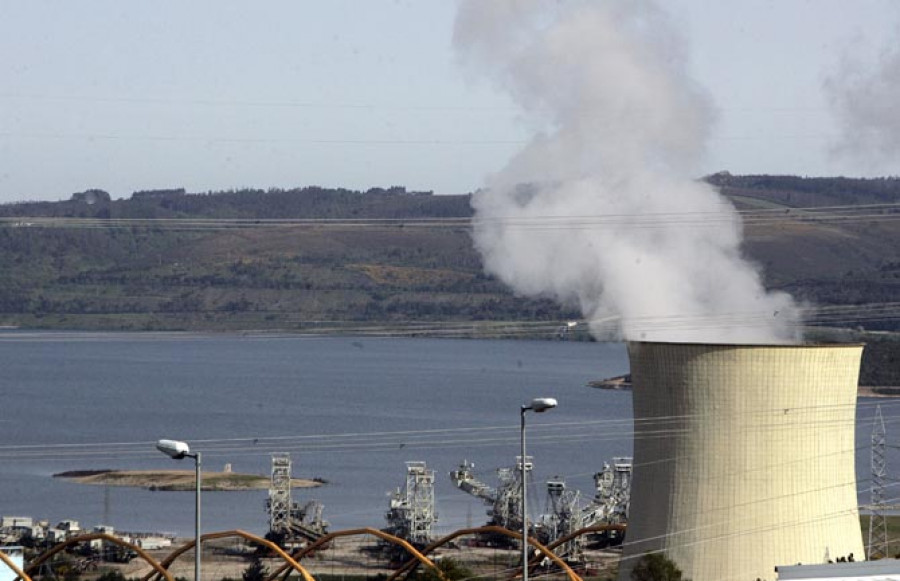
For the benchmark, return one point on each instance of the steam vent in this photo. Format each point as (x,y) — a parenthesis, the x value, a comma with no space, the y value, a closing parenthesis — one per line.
(743,457)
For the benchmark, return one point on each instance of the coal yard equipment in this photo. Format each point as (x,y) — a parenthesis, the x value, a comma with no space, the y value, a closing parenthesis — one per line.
(564,513)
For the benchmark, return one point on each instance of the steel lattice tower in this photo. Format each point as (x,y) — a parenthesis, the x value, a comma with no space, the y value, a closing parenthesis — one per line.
(563,516)
(280,494)
(420,496)
(411,513)
(878,541)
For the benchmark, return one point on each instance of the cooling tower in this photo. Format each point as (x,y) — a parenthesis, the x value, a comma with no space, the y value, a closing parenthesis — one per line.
(743,457)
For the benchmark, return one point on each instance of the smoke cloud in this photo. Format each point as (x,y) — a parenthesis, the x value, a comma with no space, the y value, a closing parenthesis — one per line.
(864,97)
(600,209)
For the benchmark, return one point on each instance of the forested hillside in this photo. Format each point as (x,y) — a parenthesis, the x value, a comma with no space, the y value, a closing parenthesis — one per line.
(306,258)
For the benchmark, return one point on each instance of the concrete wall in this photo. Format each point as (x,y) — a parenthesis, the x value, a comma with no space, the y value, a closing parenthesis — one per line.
(744,457)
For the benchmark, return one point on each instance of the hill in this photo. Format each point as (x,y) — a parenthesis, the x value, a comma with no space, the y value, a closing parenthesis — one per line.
(852,256)
(167,260)
(304,259)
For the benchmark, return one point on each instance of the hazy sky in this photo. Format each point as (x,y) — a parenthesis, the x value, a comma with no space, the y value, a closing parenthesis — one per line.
(210,95)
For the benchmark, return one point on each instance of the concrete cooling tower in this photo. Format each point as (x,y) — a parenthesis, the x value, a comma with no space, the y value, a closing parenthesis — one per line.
(743,457)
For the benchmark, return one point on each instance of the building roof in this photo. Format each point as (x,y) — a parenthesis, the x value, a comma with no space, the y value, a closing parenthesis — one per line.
(882,570)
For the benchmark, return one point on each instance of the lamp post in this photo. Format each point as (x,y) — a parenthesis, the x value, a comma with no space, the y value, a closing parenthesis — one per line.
(179,451)
(538,405)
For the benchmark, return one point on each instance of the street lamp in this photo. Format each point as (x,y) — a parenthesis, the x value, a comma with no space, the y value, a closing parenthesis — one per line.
(179,451)
(537,405)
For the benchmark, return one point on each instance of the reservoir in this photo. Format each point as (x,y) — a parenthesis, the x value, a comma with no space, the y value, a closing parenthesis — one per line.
(350,411)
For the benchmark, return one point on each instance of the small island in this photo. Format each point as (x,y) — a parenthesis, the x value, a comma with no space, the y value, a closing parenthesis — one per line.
(619,383)
(179,479)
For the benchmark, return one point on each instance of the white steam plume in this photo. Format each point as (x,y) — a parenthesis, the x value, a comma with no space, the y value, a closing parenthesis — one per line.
(864,96)
(600,209)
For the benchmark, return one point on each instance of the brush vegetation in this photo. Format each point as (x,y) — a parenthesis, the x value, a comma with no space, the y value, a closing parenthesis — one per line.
(893,533)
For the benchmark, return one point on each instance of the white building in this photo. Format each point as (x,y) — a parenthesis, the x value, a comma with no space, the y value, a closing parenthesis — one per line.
(16,522)
(98,544)
(64,530)
(151,543)
(883,570)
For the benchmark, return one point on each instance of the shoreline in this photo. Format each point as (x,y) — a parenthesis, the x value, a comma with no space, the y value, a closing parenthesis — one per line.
(886,391)
(178,480)
(623,383)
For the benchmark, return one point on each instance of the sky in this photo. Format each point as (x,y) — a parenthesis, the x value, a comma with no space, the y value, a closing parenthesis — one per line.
(212,95)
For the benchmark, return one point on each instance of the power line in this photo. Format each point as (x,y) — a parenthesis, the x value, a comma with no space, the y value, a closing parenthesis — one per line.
(283,104)
(827,316)
(611,429)
(257,140)
(728,218)
(439,107)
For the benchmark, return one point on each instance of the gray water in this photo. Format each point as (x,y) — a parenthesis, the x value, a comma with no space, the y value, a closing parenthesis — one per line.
(350,411)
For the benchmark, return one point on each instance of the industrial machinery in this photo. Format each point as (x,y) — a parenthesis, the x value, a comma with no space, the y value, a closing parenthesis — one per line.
(410,515)
(504,501)
(611,501)
(563,513)
(291,523)
(562,516)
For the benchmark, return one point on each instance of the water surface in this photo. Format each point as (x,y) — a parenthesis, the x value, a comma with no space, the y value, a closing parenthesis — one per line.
(351,411)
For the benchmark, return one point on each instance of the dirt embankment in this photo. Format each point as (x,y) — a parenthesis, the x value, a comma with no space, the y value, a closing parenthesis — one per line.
(879,391)
(177,479)
(623,383)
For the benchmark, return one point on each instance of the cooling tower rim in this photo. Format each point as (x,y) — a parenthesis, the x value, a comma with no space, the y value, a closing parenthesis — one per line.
(749,345)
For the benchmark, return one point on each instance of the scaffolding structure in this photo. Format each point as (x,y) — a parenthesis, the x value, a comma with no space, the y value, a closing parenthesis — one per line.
(290,521)
(279,503)
(562,516)
(411,514)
